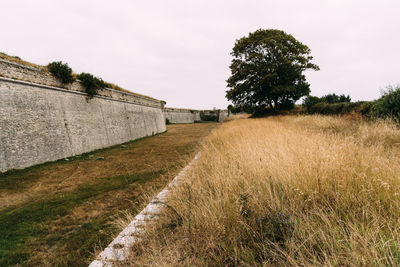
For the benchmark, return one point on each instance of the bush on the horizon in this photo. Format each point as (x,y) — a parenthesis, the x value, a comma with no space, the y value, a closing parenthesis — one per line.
(61,71)
(334,109)
(310,100)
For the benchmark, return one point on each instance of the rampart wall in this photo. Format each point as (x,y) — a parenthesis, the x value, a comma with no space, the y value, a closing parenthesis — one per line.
(40,121)
(20,72)
(179,115)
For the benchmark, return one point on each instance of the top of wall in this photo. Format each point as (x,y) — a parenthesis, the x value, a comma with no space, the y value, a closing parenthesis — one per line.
(185,110)
(35,74)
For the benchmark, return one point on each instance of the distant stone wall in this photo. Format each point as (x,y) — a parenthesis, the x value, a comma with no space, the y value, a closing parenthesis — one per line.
(40,123)
(179,115)
(223,114)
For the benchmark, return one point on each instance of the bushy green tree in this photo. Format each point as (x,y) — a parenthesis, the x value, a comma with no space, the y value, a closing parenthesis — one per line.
(267,70)
(389,104)
(334,98)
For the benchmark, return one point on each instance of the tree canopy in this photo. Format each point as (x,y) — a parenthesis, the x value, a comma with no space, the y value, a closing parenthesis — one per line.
(267,70)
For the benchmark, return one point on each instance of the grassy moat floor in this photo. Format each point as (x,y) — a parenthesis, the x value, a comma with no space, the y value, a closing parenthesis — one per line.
(63,213)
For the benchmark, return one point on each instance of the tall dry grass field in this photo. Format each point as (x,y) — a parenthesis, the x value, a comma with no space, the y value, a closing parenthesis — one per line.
(285,191)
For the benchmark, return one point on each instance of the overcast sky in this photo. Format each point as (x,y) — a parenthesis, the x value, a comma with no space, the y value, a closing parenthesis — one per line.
(179,51)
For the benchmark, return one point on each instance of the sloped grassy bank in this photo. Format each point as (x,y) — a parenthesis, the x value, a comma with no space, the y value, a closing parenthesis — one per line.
(285,191)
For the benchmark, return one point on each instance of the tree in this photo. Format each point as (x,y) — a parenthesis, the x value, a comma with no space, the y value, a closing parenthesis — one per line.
(334,98)
(267,70)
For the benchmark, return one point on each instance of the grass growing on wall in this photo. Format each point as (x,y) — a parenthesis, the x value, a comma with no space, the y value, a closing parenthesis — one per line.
(285,191)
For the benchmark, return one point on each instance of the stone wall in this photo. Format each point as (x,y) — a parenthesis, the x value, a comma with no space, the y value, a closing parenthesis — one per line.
(20,72)
(223,114)
(42,119)
(40,123)
(179,115)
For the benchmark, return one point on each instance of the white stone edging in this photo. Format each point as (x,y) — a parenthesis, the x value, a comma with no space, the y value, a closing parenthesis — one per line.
(120,248)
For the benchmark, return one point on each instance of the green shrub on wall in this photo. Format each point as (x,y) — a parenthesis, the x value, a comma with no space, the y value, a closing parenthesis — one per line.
(61,71)
(92,84)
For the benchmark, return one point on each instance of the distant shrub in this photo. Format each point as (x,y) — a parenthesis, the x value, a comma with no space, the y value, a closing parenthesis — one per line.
(310,101)
(334,109)
(61,71)
(92,84)
(365,109)
(167,121)
(334,98)
(388,105)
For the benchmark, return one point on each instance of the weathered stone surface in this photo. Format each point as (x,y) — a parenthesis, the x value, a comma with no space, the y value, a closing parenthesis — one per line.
(223,114)
(180,115)
(41,123)
(20,72)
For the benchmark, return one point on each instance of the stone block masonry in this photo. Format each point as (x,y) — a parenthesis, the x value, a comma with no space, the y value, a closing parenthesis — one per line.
(40,123)
(42,119)
(20,72)
(179,115)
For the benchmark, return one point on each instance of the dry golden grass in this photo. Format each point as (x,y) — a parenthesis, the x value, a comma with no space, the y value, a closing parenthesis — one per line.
(285,191)
(20,61)
(239,116)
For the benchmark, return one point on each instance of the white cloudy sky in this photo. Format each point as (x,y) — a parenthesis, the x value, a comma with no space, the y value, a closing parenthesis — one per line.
(179,51)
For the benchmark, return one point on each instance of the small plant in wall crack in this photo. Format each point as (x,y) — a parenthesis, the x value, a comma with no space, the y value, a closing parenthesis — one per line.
(92,84)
